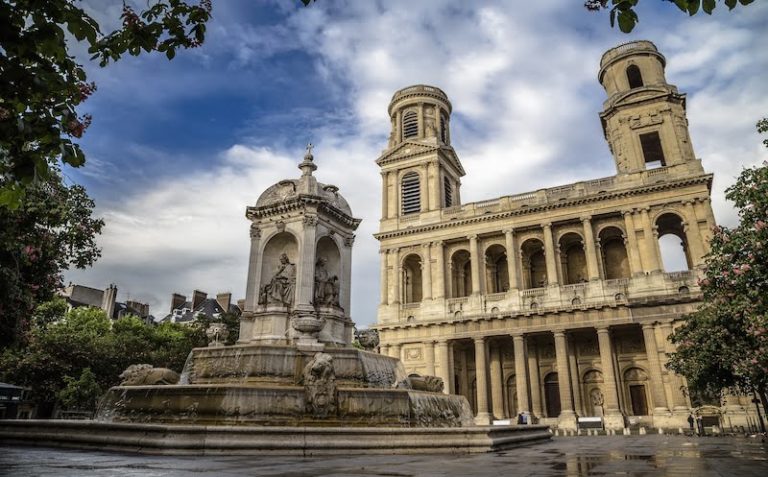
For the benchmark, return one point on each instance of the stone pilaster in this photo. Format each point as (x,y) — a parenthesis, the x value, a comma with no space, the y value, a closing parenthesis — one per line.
(394,350)
(385,195)
(252,283)
(521,381)
(441,271)
(613,416)
(589,249)
(426,273)
(429,357)
(677,399)
(535,377)
(483,417)
(575,381)
(384,286)
(549,253)
(567,418)
(651,243)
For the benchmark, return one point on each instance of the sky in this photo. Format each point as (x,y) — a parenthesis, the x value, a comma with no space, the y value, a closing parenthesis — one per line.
(178,149)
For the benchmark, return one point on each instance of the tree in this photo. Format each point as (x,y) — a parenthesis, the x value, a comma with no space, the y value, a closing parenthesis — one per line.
(229,319)
(41,83)
(54,361)
(624,10)
(51,230)
(725,342)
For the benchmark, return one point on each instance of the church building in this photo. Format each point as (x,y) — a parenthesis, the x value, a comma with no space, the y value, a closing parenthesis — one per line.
(553,303)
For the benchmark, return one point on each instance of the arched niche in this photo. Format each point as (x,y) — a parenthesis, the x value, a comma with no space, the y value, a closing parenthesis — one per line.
(327,274)
(636,389)
(673,243)
(534,263)
(592,383)
(552,395)
(613,254)
(461,274)
(412,286)
(496,269)
(278,270)
(573,259)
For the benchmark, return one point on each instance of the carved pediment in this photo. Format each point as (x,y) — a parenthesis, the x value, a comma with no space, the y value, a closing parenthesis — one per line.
(406,149)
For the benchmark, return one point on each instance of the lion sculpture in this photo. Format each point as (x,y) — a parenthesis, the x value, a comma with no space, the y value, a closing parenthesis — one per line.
(319,379)
(148,375)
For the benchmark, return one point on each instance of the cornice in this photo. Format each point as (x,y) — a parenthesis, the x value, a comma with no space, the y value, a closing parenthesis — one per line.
(703,179)
(298,203)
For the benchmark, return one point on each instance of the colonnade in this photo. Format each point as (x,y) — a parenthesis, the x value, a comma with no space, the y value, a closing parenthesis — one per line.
(437,273)
(663,390)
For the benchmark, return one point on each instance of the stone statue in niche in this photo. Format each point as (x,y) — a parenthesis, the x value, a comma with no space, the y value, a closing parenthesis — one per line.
(280,289)
(319,380)
(326,286)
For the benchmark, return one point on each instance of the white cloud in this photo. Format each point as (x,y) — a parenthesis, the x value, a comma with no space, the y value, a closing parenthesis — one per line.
(526,100)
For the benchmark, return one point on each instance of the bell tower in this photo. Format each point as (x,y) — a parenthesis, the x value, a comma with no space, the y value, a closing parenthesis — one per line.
(420,170)
(644,118)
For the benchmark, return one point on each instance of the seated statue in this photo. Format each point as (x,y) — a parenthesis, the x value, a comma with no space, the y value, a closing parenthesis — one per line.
(280,289)
(148,375)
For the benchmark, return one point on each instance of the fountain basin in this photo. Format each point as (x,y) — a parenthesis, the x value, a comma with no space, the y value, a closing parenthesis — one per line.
(238,405)
(302,441)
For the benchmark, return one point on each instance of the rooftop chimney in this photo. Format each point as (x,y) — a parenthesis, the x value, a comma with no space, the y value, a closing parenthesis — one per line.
(224,299)
(108,299)
(177,301)
(241,304)
(197,298)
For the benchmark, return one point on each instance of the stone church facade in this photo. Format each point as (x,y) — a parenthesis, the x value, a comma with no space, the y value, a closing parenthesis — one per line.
(553,303)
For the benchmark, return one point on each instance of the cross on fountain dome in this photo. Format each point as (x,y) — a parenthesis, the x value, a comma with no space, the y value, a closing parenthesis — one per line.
(307,166)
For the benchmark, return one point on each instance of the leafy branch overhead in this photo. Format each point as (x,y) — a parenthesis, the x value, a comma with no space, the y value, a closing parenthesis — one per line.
(623,11)
(41,83)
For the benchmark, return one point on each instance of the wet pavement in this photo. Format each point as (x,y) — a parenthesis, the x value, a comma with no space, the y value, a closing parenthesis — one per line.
(650,455)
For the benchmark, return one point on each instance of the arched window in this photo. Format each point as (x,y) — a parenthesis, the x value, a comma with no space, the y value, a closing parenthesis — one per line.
(461,274)
(673,243)
(447,191)
(412,286)
(534,264)
(573,259)
(410,124)
(613,253)
(411,194)
(634,77)
(496,269)
(444,127)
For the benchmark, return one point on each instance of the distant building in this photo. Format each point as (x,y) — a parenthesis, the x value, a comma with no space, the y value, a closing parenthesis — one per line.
(183,311)
(80,295)
(15,402)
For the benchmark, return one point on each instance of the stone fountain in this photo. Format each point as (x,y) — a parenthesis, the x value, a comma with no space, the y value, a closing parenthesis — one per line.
(293,383)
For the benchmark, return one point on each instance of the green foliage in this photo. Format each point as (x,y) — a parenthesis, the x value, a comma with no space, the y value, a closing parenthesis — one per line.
(51,230)
(84,338)
(82,393)
(41,84)
(48,312)
(725,342)
(623,11)
(231,320)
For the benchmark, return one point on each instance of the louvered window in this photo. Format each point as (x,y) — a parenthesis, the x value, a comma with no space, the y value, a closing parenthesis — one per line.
(411,193)
(448,192)
(410,124)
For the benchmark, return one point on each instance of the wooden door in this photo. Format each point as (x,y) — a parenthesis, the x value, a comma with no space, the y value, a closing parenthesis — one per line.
(639,401)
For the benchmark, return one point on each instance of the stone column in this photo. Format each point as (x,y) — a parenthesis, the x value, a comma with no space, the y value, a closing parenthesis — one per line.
(424,199)
(535,377)
(575,376)
(252,287)
(429,357)
(657,384)
(509,235)
(385,195)
(651,244)
(693,235)
(441,272)
(420,115)
(497,393)
(589,249)
(613,417)
(444,367)
(305,279)
(426,273)
(521,383)
(567,419)
(677,398)
(384,291)
(475,265)
(633,251)
(549,252)
(483,417)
